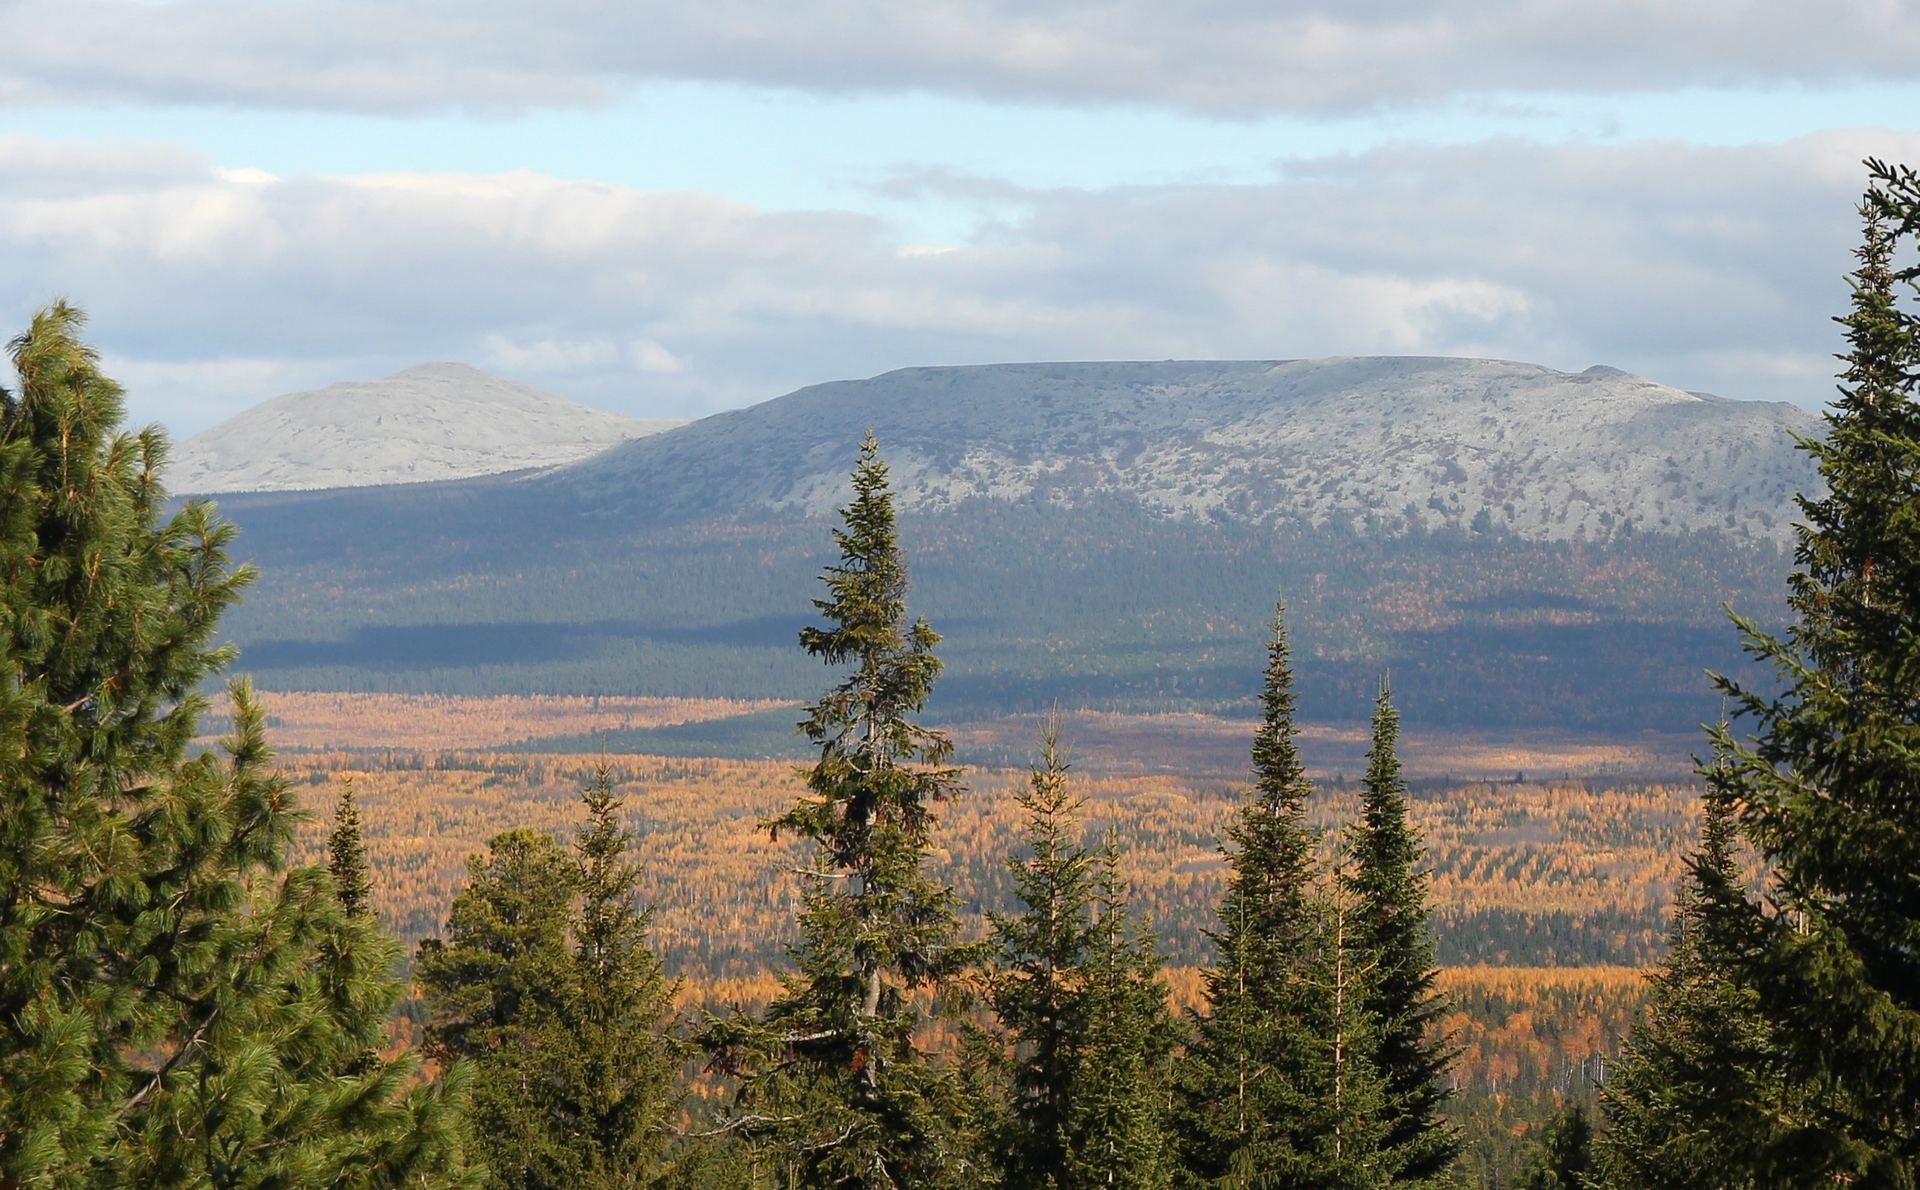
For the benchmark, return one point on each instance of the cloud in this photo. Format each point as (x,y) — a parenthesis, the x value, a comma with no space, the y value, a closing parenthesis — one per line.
(1710,268)
(34,168)
(1221,56)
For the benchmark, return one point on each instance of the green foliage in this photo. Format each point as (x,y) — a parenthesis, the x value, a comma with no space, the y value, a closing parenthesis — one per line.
(1701,1072)
(623,1068)
(1389,889)
(494,989)
(1343,1133)
(1243,1082)
(1826,784)
(1564,1159)
(546,984)
(832,1083)
(347,856)
(1039,967)
(1117,1131)
(1077,990)
(176,1005)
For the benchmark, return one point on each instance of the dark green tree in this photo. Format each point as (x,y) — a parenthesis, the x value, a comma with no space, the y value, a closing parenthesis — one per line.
(347,856)
(1564,1159)
(1243,1083)
(1341,1134)
(1826,786)
(1685,1089)
(1117,1130)
(1388,887)
(496,988)
(623,1078)
(177,1005)
(1077,989)
(546,982)
(831,1081)
(1040,955)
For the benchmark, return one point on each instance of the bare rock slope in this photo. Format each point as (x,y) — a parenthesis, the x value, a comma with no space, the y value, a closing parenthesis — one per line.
(1380,443)
(433,422)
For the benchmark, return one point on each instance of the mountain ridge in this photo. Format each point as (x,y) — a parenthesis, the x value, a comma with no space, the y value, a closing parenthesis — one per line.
(1383,443)
(1110,536)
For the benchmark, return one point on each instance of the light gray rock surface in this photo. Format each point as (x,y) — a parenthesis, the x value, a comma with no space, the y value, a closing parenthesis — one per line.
(433,422)
(1379,442)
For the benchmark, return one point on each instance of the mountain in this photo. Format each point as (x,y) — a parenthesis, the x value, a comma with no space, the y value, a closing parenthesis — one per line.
(1102,535)
(1383,443)
(432,422)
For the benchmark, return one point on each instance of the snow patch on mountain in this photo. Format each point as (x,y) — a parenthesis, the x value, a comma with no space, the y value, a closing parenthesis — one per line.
(1379,443)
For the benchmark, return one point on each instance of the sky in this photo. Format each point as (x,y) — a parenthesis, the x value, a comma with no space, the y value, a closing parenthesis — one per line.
(673,209)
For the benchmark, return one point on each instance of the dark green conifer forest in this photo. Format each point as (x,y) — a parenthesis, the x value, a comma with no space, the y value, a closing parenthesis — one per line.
(180,1005)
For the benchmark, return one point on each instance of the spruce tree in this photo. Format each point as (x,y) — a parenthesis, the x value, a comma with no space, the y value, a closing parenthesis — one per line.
(832,1082)
(547,984)
(1389,890)
(177,1005)
(347,856)
(1826,787)
(1564,1159)
(1040,953)
(1117,1130)
(623,1083)
(1701,1070)
(1242,1090)
(496,989)
(1077,989)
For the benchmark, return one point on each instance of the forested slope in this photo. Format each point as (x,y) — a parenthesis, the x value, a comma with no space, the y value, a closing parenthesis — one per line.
(486,588)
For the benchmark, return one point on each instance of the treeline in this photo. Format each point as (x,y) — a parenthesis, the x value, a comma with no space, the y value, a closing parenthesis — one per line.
(179,1006)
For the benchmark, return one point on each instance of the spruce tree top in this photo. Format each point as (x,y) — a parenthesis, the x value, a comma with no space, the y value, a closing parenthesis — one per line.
(867,773)
(1272,855)
(1390,888)
(1280,777)
(347,856)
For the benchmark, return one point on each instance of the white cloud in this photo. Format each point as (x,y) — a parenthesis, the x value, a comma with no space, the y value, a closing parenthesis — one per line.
(1712,269)
(1228,56)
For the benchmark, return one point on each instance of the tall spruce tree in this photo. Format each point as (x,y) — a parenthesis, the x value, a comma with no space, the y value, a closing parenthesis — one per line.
(1826,789)
(1243,1081)
(1701,1070)
(623,1064)
(547,984)
(177,1005)
(1389,890)
(832,1082)
(347,856)
(1117,1130)
(1040,954)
